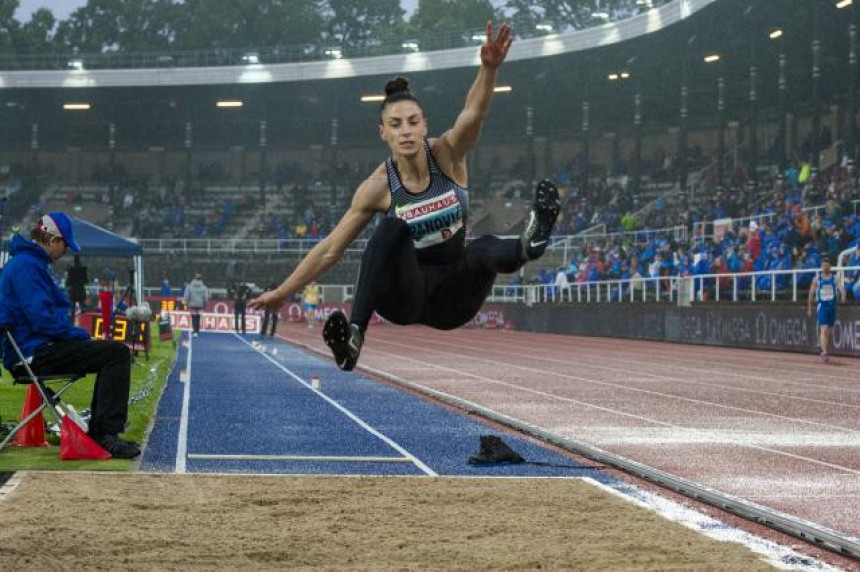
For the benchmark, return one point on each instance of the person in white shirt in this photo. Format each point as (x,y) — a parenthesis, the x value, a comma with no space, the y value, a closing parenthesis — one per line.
(562,285)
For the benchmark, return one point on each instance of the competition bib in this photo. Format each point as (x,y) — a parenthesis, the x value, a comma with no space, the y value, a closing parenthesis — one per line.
(826,293)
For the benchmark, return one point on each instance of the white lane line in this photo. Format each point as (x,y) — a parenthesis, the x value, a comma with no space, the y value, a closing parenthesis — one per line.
(9,487)
(309,458)
(572,361)
(612,348)
(357,420)
(617,412)
(182,440)
(621,386)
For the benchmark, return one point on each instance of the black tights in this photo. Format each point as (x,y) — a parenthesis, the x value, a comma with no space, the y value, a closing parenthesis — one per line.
(402,290)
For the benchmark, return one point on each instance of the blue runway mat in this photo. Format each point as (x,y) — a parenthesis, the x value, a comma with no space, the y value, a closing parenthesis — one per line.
(253,410)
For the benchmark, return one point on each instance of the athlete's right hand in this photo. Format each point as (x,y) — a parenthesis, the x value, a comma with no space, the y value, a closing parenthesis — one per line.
(271,299)
(495,50)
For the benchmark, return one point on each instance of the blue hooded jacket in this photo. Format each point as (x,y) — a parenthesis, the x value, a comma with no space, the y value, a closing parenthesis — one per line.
(32,304)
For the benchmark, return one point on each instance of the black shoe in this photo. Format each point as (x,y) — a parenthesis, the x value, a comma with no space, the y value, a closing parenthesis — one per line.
(495,451)
(542,217)
(118,448)
(344,339)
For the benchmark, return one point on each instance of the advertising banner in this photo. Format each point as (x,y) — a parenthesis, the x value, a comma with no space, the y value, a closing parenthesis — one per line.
(761,325)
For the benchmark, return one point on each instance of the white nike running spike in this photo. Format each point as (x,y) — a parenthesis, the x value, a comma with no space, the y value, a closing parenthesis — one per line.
(542,217)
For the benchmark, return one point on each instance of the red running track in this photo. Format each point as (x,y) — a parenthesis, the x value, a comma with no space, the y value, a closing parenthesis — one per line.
(779,429)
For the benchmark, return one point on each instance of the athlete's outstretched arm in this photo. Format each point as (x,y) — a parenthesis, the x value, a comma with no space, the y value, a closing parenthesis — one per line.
(463,136)
(370,198)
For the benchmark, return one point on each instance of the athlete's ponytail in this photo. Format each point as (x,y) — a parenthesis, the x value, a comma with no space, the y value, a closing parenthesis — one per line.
(396,90)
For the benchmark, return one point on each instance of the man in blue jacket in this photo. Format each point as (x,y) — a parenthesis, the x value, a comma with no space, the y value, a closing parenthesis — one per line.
(37,312)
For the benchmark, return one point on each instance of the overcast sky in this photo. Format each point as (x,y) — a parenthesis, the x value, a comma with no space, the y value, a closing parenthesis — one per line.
(62,8)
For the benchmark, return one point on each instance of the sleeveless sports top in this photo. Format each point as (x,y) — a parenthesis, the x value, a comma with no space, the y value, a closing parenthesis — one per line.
(827,290)
(436,216)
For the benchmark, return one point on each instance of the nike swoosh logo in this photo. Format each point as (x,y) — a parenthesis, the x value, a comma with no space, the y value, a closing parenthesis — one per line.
(534,244)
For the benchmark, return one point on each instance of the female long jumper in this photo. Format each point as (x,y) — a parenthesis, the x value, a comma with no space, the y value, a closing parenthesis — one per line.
(417,268)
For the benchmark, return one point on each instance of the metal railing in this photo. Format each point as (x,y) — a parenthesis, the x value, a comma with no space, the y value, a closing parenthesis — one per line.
(302,245)
(328,292)
(657,289)
(781,285)
(230,246)
(700,228)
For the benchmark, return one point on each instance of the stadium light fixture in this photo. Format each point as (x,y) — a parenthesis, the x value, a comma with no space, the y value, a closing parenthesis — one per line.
(80,106)
(251,58)
(333,53)
(612,76)
(775,34)
(375,98)
(544,28)
(229,103)
(711,58)
(624,75)
(76,64)
(844,3)
(503,89)
(410,45)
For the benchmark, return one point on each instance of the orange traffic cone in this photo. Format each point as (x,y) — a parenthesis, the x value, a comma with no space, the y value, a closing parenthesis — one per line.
(76,444)
(33,433)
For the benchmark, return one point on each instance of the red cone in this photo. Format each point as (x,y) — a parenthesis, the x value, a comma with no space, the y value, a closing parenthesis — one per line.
(33,433)
(76,444)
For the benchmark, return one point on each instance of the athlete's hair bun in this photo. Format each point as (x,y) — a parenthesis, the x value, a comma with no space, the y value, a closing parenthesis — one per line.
(396,85)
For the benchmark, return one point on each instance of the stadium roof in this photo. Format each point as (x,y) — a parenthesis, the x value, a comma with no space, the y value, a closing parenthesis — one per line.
(646,23)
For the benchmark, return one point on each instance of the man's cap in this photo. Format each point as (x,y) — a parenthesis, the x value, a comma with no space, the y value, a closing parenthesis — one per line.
(59,224)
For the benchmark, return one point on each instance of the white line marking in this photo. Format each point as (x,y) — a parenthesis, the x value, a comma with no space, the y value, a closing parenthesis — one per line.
(779,556)
(311,458)
(182,440)
(617,412)
(7,489)
(611,349)
(571,362)
(361,423)
(623,387)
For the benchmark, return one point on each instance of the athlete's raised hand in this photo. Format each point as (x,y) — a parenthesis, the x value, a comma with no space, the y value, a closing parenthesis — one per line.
(271,299)
(494,51)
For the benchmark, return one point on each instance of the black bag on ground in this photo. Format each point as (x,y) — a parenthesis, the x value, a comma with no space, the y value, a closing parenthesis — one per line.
(495,451)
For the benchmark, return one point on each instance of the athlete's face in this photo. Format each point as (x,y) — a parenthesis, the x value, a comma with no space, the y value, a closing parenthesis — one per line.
(403,127)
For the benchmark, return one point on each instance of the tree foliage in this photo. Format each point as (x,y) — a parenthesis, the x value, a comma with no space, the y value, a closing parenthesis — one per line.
(118,25)
(37,35)
(8,25)
(203,24)
(357,21)
(159,25)
(563,14)
(433,16)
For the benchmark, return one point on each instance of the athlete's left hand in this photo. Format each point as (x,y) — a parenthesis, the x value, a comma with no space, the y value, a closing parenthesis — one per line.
(271,299)
(494,51)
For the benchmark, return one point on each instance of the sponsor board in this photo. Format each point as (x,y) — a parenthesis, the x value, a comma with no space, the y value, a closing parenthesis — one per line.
(762,325)
(210,322)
